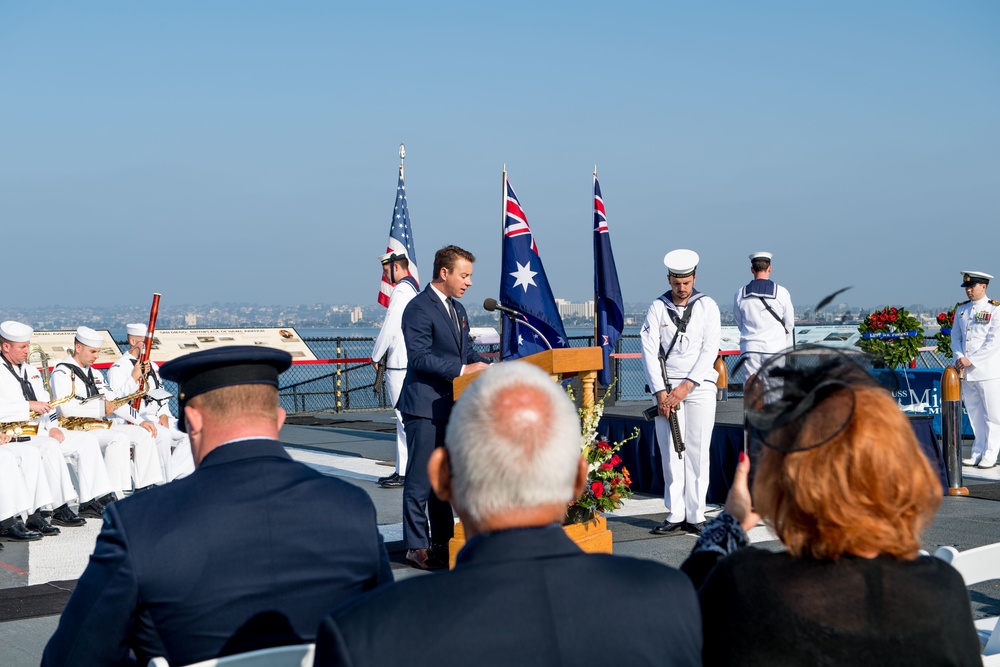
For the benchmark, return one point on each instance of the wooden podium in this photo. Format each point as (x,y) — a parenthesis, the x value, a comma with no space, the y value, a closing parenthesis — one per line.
(582,362)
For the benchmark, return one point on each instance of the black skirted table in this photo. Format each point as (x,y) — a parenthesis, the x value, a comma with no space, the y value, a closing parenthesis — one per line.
(642,456)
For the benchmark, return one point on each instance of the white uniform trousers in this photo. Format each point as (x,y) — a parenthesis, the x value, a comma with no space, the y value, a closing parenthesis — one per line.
(56,471)
(394,382)
(14,495)
(982,402)
(753,361)
(83,453)
(174,450)
(145,461)
(29,459)
(116,448)
(686,478)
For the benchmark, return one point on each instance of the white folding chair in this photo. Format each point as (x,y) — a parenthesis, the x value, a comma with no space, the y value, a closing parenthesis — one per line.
(977,565)
(299,655)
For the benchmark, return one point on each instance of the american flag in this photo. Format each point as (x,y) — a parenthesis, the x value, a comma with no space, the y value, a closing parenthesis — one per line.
(400,238)
(608,306)
(524,287)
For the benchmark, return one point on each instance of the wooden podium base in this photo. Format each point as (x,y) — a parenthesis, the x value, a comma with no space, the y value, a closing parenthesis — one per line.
(592,536)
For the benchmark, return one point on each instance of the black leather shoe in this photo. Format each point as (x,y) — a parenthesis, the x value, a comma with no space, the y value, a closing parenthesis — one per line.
(18,532)
(393,481)
(92,509)
(106,500)
(667,528)
(40,524)
(64,516)
(423,559)
(694,528)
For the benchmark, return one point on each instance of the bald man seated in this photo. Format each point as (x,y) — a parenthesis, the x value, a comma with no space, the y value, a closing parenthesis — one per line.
(520,590)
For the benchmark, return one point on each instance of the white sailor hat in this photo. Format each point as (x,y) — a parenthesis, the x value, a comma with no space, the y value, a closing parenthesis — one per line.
(761,255)
(681,263)
(89,337)
(136,329)
(970,278)
(392,256)
(15,332)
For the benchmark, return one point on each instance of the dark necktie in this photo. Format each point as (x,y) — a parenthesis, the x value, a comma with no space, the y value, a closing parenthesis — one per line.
(454,317)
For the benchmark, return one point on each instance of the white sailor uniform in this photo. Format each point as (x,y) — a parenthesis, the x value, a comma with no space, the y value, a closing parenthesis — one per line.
(116,441)
(15,496)
(172,444)
(692,357)
(765,316)
(18,385)
(390,339)
(976,335)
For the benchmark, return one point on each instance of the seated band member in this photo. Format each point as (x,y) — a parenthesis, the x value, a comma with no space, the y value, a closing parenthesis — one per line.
(237,563)
(94,401)
(510,465)
(15,496)
(173,446)
(23,394)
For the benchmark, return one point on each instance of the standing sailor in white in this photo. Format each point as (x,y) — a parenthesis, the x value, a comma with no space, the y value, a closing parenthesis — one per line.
(396,269)
(764,314)
(173,446)
(95,401)
(975,343)
(15,497)
(684,326)
(23,393)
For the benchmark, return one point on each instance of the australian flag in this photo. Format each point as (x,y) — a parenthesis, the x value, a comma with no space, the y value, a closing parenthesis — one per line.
(400,238)
(524,287)
(608,306)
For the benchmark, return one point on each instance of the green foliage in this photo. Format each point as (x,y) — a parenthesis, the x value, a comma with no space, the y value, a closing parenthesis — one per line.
(896,336)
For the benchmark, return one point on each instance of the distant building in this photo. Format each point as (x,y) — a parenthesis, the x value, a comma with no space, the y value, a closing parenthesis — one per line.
(356,315)
(190,320)
(567,309)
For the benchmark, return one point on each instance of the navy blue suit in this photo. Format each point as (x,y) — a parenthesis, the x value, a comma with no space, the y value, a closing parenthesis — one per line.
(522,597)
(246,552)
(435,354)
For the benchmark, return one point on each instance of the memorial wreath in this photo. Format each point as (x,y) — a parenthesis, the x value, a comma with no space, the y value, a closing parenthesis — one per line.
(892,335)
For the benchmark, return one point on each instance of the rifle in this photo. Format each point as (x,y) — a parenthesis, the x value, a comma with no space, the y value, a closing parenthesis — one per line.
(380,374)
(675,426)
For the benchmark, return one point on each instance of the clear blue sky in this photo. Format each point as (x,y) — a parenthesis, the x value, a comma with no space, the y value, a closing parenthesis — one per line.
(246,151)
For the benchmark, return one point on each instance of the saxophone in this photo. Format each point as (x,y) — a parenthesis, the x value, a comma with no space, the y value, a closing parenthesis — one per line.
(93,423)
(29,427)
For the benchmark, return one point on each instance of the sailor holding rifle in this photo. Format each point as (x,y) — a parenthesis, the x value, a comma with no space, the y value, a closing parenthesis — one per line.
(94,403)
(25,401)
(172,444)
(680,343)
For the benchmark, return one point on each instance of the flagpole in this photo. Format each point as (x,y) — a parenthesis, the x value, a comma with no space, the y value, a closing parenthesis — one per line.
(593,198)
(503,222)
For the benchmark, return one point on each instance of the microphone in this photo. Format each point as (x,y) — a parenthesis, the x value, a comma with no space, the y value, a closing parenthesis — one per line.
(492,305)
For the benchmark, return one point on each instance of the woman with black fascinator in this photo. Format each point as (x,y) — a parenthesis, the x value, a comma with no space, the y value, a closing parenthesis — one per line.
(841,480)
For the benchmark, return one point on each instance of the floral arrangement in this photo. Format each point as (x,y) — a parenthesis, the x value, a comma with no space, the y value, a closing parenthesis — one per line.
(892,335)
(943,337)
(608,482)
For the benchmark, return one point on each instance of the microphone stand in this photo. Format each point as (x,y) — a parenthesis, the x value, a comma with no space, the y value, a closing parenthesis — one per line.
(528,324)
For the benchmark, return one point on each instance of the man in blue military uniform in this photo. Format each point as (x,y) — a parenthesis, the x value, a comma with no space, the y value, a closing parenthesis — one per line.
(229,558)
(975,343)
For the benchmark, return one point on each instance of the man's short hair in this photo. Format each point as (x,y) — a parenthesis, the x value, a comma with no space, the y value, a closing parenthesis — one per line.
(403,263)
(239,402)
(759,265)
(446,257)
(513,442)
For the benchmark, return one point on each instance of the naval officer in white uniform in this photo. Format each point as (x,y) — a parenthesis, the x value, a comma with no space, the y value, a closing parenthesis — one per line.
(22,392)
(94,400)
(764,314)
(173,445)
(975,343)
(396,269)
(684,325)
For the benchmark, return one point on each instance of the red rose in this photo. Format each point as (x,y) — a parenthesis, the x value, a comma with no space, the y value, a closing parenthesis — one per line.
(951,317)
(603,446)
(597,488)
(942,318)
(893,311)
(606,466)
(893,317)
(615,460)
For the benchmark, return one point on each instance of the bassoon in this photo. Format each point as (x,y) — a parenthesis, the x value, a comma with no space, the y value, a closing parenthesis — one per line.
(154,310)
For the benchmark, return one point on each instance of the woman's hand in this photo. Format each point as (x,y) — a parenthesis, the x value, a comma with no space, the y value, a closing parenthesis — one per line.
(738,502)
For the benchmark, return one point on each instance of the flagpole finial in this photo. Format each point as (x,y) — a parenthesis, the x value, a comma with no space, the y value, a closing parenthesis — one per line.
(595,169)
(402,153)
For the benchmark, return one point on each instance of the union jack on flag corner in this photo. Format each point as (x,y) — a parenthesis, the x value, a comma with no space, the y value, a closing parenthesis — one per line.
(525,288)
(400,235)
(609,310)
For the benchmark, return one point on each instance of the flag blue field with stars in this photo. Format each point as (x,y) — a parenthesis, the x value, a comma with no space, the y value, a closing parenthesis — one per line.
(524,287)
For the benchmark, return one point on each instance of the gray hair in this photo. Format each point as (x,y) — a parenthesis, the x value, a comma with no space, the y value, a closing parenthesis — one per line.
(513,441)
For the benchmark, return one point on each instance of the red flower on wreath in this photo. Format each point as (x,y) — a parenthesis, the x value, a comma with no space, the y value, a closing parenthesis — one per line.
(597,488)
(942,318)
(893,317)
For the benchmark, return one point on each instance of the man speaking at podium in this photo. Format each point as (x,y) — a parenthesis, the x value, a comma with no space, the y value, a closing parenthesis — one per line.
(438,349)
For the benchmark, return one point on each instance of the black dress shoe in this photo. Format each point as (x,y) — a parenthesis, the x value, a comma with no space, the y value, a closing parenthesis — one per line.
(423,559)
(393,481)
(106,500)
(694,528)
(18,532)
(40,524)
(667,528)
(64,516)
(92,509)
